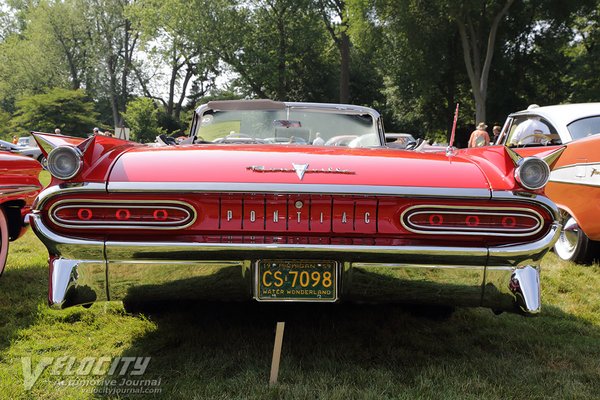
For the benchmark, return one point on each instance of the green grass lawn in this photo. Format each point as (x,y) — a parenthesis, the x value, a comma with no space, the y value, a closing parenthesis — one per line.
(208,351)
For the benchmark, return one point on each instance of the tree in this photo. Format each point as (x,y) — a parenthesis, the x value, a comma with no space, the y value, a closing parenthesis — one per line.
(115,42)
(142,118)
(69,110)
(419,57)
(279,49)
(335,17)
(479,43)
(170,38)
(60,29)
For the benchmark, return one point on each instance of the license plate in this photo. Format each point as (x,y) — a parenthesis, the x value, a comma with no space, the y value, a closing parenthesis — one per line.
(294,280)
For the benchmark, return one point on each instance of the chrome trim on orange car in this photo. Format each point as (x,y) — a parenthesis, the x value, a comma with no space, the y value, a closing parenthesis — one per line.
(585,174)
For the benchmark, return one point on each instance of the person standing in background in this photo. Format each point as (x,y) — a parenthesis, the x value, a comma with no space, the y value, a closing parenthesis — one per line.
(479,137)
(496,133)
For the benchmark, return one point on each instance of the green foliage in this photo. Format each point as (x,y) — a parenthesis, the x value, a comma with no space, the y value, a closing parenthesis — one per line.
(5,130)
(69,110)
(142,118)
(406,58)
(339,351)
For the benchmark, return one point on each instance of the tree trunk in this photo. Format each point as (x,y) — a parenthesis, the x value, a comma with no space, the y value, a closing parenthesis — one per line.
(479,74)
(281,52)
(344,68)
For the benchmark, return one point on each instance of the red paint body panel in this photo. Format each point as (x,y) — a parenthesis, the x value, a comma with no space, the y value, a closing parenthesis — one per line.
(288,219)
(229,163)
(19,170)
(19,183)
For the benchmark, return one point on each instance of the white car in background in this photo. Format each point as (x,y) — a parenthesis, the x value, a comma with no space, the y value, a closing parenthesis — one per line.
(564,122)
(574,184)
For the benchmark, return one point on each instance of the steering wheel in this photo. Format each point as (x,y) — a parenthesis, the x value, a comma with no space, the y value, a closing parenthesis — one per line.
(544,139)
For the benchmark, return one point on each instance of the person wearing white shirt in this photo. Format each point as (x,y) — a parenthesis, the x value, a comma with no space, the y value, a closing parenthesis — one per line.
(318,140)
(530,131)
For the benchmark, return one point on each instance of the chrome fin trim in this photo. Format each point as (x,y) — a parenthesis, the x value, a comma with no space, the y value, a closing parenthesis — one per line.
(551,158)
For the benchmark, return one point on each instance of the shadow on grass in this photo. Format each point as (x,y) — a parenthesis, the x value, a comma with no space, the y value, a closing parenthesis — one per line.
(21,290)
(208,350)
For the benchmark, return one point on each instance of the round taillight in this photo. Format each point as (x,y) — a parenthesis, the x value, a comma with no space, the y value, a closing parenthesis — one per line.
(64,162)
(532,173)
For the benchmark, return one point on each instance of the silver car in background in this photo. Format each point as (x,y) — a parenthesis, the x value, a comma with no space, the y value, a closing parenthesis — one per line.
(30,151)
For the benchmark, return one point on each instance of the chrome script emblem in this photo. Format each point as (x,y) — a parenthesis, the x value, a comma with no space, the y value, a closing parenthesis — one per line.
(300,169)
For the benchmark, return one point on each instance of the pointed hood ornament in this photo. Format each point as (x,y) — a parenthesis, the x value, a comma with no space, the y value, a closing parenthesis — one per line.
(300,169)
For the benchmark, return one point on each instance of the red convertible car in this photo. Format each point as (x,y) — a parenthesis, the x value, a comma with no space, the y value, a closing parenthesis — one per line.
(19,185)
(234,215)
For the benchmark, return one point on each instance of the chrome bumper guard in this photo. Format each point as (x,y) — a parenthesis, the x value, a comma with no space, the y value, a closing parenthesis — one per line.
(502,278)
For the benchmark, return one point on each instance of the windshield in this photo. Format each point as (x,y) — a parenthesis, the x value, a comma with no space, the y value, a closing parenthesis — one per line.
(584,127)
(289,126)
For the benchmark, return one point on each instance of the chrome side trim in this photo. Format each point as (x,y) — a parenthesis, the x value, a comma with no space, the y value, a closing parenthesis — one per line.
(525,253)
(214,187)
(14,189)
(66,189)
(530,198)
(433,230)
(164,204)
(76,249)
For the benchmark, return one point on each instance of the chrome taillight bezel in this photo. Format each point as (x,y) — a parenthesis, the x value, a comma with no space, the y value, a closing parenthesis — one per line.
(405,220)
(121,224)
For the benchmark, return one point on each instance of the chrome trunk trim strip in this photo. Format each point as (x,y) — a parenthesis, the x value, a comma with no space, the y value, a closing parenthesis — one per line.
(217,187)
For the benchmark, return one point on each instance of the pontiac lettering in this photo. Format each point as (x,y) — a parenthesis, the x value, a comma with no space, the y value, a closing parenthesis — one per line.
(316,216)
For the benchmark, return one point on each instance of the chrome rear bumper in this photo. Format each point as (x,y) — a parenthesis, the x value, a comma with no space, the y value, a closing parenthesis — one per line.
(502,278)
